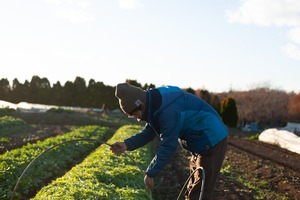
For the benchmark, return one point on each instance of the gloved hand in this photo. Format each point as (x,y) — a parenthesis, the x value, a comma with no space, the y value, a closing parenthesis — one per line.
(118,148)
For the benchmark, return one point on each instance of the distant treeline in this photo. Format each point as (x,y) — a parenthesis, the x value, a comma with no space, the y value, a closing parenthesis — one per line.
(262,105)
(77,93)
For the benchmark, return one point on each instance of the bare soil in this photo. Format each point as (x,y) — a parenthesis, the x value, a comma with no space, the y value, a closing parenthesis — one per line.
(33,134)
(251,170)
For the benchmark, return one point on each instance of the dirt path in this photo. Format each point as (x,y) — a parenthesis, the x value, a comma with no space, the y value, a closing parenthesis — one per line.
(264,170)
(33,134)
(267,151)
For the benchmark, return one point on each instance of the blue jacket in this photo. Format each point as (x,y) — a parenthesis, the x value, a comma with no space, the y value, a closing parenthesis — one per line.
(179,117)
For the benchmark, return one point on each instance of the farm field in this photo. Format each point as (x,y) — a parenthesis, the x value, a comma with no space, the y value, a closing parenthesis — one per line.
(252,169)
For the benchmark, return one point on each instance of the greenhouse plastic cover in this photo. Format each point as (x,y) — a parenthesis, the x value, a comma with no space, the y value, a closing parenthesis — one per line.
(282,138)
(38,108)
(6,104)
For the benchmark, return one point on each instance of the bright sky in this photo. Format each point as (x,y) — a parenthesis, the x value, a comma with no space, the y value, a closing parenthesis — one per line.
(214,45)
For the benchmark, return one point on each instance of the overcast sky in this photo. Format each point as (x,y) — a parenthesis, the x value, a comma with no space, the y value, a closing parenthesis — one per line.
(213,45)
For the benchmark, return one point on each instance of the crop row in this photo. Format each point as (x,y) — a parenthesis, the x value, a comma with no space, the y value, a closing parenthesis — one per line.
(103,175)
(10,125)
(52,164)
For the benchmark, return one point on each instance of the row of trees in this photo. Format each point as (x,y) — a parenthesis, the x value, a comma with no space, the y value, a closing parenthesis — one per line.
(262,105)
(77,93)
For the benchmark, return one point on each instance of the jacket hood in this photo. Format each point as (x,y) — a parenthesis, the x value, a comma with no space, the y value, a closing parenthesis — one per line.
(173,94)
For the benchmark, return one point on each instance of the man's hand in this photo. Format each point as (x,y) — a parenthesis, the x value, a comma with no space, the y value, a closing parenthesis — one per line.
(149,182)
(118,148)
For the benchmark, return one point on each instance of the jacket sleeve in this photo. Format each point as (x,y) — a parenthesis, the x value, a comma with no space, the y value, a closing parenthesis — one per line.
(169,142)
(140,139)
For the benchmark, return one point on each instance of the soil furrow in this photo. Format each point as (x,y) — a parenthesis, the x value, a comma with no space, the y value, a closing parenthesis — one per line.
(268,151)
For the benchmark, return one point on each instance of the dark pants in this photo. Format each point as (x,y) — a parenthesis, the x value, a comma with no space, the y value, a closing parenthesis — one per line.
(211,161)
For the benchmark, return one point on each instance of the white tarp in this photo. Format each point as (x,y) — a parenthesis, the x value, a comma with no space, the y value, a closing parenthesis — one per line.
(34,108)
(283,138)
(29,107)
(6,104)
(26,107)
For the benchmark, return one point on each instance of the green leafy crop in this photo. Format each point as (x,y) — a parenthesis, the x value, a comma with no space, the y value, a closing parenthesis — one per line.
(102,175)
(52,164)
(10,125)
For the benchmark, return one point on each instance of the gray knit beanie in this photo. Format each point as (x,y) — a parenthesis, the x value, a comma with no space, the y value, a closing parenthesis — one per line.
(130,97)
